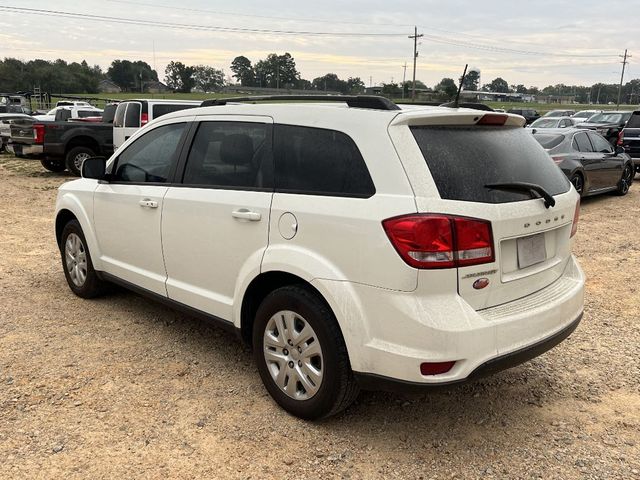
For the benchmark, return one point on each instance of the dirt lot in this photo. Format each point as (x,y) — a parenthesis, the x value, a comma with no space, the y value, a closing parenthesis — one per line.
(121,387)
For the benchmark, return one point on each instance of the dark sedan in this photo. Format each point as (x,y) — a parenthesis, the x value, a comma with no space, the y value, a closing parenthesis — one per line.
(587,159)
(608,124)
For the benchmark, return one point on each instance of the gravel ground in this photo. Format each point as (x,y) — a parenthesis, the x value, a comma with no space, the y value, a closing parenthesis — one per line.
(121,387)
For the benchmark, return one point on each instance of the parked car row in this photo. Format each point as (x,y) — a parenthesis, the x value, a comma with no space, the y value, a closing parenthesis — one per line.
(74,131)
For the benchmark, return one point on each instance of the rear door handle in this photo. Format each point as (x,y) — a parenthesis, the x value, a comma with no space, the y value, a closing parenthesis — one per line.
(148,203)
(246,214)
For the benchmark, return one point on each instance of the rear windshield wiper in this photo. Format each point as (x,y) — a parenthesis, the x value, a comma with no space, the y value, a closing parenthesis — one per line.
(532,188)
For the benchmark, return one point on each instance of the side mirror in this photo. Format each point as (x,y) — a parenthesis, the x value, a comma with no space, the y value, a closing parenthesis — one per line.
(94,167)
(619,149)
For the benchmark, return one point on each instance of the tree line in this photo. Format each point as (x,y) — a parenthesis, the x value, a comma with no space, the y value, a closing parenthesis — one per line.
(274,71)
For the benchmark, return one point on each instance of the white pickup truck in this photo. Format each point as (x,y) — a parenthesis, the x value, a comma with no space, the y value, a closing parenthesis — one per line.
(76,112)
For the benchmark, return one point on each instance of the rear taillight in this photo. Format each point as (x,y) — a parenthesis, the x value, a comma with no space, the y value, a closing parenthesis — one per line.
(492,119)
(620,138)
(38,133)
(144,119)
(435,368)
(576,217)
(429,241)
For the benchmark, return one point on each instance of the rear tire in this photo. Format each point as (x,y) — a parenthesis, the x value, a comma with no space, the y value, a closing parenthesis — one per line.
(625,181)
(301,355)
(77,264)
(578,182)
(53,165)
(76,156)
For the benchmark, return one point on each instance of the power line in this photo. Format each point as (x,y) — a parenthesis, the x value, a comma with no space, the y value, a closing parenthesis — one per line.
(187,26)
(415,37)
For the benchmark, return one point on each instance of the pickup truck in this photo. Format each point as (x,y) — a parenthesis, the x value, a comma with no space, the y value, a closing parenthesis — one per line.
(63,144)
(629,138)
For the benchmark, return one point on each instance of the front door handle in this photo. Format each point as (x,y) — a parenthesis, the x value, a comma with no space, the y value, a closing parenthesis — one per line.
(148,203)
(246,214)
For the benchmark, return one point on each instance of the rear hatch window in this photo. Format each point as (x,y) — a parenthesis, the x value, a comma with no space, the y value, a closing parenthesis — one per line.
(462,160)
(548,141)
(634,121)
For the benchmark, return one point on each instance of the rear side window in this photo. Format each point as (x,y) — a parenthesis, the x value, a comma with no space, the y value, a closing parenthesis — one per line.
(150,157)
(634,121)
(581,143)
(89,113)
(230,155)
(132,117)
(319,161)
(159,110)
(462,160)
(109,113)
(118,120)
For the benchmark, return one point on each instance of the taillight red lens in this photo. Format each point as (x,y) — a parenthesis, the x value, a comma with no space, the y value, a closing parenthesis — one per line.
(430,241)
(576,217)
(492,119)
(144,119)
(38,133)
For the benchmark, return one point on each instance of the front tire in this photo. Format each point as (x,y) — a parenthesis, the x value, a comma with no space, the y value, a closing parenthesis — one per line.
(53,165)
(77,264)
(625,181)
(301,355)
(76,156)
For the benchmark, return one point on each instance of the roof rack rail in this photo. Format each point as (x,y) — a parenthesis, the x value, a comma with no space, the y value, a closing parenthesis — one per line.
(356,101)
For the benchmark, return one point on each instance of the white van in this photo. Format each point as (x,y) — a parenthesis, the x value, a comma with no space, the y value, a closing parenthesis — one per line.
(133,114)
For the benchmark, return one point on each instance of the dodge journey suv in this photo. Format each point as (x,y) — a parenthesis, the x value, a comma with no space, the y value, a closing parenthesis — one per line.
(352,244)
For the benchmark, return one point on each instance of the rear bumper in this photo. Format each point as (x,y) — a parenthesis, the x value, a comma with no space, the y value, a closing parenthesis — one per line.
(25,151)
(369,381)
(390,333)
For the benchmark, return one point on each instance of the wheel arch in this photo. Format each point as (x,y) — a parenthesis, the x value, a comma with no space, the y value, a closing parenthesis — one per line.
(70,208)
(82,141)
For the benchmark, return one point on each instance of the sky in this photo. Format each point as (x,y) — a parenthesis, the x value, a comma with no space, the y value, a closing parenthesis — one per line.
(532,43)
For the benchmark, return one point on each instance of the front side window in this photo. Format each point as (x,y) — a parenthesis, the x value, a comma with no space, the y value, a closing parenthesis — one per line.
(150,157)
(600,144)
(230,155)
(319,161)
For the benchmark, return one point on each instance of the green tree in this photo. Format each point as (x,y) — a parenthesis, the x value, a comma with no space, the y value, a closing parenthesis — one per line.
(277,71)
(408,86)
(448,87)
(243,71)
(499,85)
(355,85)
(471,80)
(329,82)
(208,79)
(179,77)
(131,76)
(391,89)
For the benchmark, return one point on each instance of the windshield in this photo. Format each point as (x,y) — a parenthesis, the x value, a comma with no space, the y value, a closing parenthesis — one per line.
(462,160)
(584,114)
(606,118)
(555,113)
(545,123)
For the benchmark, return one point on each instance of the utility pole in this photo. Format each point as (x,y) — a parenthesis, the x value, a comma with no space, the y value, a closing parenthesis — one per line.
(415,37)
(624,64)
(370,81)
(404,78)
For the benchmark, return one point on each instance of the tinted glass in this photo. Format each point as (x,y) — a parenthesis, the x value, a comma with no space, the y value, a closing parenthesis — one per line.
(548,141)
(230,155)
(109,113)
(132,117)
(118,120)
(150,157)
(582,143)
(318,161)
(89,113)
(606,118)
(634,121)
(462,160)
(600,144)
(159,110)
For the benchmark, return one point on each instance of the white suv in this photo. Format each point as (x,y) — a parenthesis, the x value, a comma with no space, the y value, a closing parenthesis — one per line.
(353,244)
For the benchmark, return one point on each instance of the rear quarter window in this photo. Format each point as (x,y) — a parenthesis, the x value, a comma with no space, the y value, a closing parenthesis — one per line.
(462,160)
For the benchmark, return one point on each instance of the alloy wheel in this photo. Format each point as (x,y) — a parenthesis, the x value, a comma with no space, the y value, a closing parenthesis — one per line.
(76,259)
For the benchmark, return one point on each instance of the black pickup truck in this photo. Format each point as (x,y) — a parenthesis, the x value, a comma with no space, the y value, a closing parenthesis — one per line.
(63,144)
(629,138)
